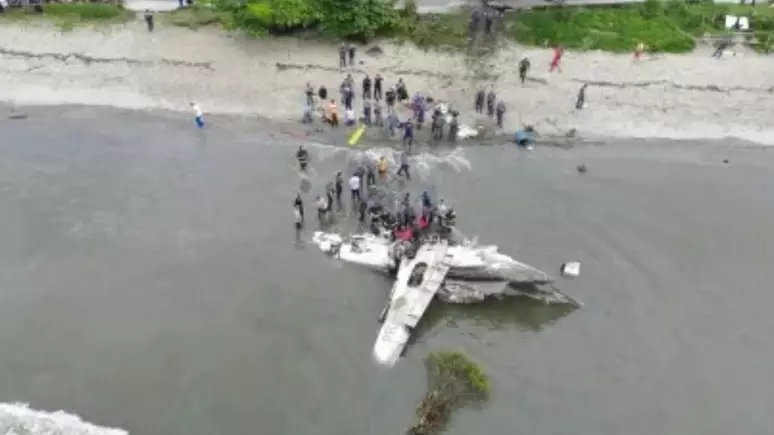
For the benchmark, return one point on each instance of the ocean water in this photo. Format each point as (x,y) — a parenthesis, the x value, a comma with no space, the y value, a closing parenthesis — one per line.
(150,282)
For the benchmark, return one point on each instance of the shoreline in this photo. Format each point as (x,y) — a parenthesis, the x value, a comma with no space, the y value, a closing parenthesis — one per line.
(690,96)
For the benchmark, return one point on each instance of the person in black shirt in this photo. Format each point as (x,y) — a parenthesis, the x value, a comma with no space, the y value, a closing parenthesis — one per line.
(367,87)
(378,87)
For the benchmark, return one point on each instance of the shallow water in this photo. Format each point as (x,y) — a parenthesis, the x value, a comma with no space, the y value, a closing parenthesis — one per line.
(150,282)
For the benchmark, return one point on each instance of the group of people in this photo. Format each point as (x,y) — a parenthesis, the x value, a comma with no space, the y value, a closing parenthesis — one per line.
(361,181)
(373,111)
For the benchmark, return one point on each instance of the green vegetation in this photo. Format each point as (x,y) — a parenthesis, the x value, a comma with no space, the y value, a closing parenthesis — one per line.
(663,26)
(194,17)
(453,381)
(69,15)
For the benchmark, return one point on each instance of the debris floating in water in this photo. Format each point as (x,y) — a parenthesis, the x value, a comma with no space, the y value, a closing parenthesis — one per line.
(571,269)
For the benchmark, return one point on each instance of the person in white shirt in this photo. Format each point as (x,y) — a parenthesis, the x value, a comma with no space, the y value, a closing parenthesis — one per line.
(354,188)
(322,209)
(299,220)
(198,115)
(349,117)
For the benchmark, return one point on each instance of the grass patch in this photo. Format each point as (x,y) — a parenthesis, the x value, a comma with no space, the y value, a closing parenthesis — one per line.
(671,26)
(440,31)
(194,17)
(453,381)
(70,15)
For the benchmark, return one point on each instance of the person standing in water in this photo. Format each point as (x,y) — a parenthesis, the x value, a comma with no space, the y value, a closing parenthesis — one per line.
(404,165)
(408,134)
(381,168)
(302,155)
(298,204)
(354,189)
(339,187)
(198,114)
(298,217)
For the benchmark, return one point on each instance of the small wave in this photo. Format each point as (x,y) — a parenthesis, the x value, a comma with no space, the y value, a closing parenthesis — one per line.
(20,419)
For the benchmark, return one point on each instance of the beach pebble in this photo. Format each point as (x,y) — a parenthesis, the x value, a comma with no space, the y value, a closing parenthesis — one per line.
(571,269)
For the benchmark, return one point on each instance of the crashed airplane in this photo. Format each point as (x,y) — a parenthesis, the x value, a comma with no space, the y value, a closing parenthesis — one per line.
(458,273)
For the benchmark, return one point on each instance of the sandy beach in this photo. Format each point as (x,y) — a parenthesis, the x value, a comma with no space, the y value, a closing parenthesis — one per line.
(667,96)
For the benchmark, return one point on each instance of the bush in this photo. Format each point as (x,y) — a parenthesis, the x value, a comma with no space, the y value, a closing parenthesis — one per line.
(193,17)
(663,26)
(69,15)
(453,381)
(348,19)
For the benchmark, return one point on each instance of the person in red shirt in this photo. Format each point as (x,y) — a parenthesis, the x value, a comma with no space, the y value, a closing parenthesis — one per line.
(558,53)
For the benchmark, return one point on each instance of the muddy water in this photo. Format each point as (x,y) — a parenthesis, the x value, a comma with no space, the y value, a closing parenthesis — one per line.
(150,282)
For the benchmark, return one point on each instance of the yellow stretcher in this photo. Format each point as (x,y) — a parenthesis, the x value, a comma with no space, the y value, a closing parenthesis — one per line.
(355,136)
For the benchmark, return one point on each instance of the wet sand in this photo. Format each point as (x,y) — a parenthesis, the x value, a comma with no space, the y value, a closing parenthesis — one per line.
(671,96)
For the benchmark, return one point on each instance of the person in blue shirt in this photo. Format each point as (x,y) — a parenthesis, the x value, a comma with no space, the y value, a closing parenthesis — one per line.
(524,137)
(426,202)
(408,134)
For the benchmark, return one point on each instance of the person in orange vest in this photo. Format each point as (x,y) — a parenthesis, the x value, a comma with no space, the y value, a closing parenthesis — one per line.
(333,114)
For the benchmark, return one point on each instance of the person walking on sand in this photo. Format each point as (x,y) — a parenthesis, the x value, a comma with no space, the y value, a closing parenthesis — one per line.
(351,49)
(638,52)
(479,101)
(378,87)
(581,101)
(491,99)
(310,94)
(523,69)
(198,114)
(149,19)
(367,87)
(557,59)
(500,112)
(333,114)
(343,55)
